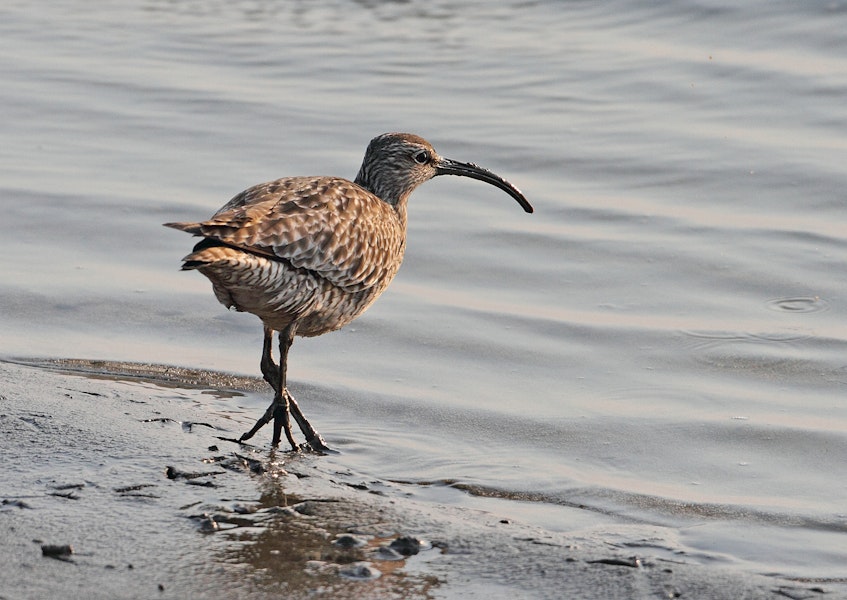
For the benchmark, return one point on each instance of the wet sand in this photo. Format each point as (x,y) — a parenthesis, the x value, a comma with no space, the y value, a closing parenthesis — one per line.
(122,463)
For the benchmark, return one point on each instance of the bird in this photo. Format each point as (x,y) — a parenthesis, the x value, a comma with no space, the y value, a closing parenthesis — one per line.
(307,255)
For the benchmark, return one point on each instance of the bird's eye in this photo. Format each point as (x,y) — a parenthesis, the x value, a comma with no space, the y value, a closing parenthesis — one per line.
(421,157)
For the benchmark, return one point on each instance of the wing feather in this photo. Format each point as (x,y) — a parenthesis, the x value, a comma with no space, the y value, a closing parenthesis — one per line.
(329,226)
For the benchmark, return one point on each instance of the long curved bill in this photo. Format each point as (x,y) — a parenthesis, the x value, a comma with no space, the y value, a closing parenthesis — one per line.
(447,166)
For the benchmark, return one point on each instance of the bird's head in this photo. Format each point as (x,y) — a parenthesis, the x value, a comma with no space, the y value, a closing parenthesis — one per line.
(397,163)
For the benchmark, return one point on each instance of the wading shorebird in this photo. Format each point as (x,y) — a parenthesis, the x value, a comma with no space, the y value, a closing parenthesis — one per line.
(307,255)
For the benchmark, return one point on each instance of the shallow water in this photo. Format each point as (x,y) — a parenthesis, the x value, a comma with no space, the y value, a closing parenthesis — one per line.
(664,339)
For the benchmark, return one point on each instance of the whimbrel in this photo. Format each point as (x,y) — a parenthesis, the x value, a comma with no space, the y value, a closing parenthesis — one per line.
(307,255)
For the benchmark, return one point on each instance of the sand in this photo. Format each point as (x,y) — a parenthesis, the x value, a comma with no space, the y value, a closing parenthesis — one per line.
(115,485)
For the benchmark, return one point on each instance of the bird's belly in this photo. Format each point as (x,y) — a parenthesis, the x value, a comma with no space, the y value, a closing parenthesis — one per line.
(336,308)
(279,293)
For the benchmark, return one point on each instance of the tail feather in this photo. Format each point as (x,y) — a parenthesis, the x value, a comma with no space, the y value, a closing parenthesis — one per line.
(205,252)
(187,227)
(193,264)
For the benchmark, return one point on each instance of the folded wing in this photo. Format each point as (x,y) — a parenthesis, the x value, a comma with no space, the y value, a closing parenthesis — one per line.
(329,226)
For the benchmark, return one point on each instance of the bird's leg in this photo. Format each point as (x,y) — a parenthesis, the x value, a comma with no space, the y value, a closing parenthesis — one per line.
(313,438)
(271,372)
(282,420)
(275,374)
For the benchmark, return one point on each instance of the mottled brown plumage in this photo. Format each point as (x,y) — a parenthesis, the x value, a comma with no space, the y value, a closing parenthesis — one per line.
(307,255)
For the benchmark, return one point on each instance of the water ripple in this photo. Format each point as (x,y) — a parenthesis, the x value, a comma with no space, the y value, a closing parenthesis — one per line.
(799,304)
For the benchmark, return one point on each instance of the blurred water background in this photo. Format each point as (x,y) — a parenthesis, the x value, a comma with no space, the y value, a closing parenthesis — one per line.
(664,340)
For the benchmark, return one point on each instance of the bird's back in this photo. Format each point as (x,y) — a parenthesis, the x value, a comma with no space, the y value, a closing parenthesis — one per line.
(316,249)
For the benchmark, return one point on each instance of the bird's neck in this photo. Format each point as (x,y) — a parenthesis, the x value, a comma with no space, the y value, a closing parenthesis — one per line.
(396,198)
(400,209)
(389,189)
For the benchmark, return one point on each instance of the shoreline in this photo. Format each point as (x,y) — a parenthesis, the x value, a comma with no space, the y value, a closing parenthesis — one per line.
(121,461)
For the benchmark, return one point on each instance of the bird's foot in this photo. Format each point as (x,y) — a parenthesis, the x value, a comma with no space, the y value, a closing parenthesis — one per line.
(263,420)
(280,410)
(246,436)
(259,424)
(282,422)
(317,445)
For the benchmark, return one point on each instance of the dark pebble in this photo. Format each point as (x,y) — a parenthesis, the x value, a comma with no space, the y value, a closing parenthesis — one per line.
(56,549)
(348,541)
(406,545)
(360,570)
(633,562)
(208,525)
(386,553)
